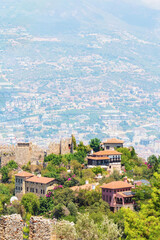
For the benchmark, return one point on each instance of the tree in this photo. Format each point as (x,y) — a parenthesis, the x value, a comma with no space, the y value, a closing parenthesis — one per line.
(74,142)
(64,196)
(72,208)
(97,170)
(5,172)
(31,203)
(142,193)
(76,166)
(95,144)
(65,231)
(86,228)
(12,165)
(153,162)
(1,208)
(109,230)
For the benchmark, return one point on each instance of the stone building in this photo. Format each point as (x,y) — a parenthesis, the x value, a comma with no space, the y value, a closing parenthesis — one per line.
(38,185)
(20,183)
(63,147)
(26,182)
(109,160)
(118,194)
(11,227)
(112,143)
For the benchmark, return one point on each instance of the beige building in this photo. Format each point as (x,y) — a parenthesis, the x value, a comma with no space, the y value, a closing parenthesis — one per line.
(20,182)
(26,182)
(112,143)
(38,185)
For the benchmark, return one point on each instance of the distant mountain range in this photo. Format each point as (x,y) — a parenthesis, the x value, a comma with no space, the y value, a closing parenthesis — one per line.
(64,64)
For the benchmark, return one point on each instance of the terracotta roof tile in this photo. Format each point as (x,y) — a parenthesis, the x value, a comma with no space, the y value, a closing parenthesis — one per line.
(24,174)
(107,153)
(43,180)
(113,140)
(116,184)
(83,187)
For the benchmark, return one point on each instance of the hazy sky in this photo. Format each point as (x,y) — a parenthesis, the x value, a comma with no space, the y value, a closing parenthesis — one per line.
(155,4)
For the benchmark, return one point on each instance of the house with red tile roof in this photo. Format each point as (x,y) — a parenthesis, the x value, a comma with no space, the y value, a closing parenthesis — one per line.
(118,194)
(112,143)
(20,181)
(108,159)
(26,182)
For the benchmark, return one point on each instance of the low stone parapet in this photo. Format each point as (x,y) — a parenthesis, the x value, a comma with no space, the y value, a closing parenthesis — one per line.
(11,227)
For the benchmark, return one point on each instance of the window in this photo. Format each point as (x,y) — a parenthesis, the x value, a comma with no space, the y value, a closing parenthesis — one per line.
(41,191)
(109,199)
(27,189)
(36,190)
(21,188)
(106,190)
(21,180)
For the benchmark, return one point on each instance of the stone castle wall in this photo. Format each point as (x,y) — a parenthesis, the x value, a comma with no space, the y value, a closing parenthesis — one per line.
(26,152)
(22,153)
(11,227)
(41,228)
(7,153)
(64,147)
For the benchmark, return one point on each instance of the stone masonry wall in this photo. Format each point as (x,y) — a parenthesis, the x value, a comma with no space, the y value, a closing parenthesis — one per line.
(40,228)
(11,227)
(64,147)
(7,153)
(53,148)
(26,152)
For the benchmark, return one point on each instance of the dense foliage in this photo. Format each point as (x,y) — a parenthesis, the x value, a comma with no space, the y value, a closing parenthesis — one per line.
(83,213)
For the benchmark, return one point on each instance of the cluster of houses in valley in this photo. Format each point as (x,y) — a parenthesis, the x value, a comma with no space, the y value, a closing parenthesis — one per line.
(117,194)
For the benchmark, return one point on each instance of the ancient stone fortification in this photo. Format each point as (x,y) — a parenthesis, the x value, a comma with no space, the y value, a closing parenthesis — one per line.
(11,227)
(41,228)
(22,153)
(7,153)
(65,146)
(26,152)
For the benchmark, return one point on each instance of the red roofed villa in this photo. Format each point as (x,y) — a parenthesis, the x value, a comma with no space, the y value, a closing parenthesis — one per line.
(112,143)
(118,194)
(109,159)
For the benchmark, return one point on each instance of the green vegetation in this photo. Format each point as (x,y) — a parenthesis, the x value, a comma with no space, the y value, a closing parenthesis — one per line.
(95,144)
(91,215)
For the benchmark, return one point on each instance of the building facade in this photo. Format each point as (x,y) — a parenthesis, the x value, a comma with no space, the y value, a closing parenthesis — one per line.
(38,185)
(26,182)
(112,143)
(109,160)
(118,194)
(20,182)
